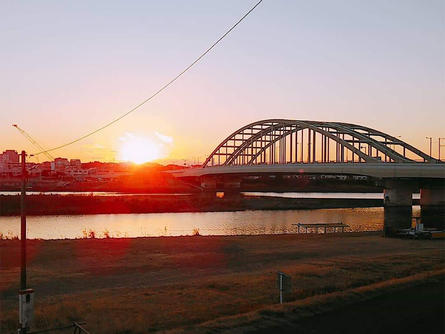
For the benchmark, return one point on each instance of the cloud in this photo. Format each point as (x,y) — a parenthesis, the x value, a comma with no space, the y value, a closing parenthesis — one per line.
(164,138)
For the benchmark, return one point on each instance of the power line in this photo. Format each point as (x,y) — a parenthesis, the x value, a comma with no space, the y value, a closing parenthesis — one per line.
(165,86)
(33,141)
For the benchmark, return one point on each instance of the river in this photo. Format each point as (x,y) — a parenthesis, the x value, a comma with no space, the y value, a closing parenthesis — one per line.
(206,223)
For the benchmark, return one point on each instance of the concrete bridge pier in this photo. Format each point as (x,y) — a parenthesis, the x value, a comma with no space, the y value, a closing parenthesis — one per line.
(227,187)
(432,204)
(209,187)
(208,183)
(231,185)
(398,201)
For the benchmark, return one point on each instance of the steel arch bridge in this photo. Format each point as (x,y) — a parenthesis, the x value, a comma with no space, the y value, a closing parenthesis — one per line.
(282,141)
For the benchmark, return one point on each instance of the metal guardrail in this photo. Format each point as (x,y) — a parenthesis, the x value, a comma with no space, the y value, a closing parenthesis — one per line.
(321,225)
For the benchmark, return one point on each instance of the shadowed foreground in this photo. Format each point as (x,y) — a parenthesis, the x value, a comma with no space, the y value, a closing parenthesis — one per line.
(413,304)
(167,283)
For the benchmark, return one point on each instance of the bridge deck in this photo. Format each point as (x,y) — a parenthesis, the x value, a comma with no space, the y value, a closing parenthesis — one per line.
(379,170)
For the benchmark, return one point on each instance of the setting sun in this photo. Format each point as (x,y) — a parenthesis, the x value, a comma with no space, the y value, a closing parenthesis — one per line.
(139,149)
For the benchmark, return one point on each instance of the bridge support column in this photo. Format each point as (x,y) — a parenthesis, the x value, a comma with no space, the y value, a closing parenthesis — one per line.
(232,183)
(228,187)
(432,204)
(208,183)
(398,193)
(398,196)
(231,187)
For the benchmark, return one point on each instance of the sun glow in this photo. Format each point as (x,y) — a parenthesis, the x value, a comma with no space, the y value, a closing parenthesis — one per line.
(140,149)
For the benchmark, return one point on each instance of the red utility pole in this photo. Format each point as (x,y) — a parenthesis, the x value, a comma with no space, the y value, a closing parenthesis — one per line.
(26,296)
(23,225)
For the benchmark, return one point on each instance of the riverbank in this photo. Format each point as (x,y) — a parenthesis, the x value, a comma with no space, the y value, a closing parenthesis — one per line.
(413,304)
(97,204)
(168,283)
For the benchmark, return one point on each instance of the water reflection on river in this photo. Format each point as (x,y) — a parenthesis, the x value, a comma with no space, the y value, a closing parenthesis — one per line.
(173,224)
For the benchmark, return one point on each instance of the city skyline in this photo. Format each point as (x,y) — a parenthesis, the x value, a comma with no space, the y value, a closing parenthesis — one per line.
(380,65)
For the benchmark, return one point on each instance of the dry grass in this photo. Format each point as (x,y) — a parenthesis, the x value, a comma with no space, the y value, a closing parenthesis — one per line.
(296,311)
(149,284)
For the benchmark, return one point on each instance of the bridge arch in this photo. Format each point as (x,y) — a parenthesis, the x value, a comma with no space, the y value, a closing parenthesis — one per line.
(299,141)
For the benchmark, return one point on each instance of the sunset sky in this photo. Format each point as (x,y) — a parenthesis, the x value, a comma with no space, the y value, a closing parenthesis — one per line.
(68,67)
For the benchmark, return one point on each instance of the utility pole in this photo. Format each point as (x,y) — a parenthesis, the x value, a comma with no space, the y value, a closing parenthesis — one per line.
(23,225)
(26,296)
(440,145)
(431,144)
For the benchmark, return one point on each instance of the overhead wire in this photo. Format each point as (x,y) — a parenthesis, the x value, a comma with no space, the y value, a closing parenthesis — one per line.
(162,88)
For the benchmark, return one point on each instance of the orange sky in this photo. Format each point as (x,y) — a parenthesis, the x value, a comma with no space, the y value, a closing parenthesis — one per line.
(68,68)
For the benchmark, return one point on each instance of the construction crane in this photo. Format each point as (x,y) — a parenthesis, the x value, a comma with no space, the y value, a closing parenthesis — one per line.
(36,144)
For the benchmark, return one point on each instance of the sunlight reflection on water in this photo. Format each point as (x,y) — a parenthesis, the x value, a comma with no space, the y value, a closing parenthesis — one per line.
(174,224)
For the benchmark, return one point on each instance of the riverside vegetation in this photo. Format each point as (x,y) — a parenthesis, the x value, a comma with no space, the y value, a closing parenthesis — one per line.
(177,283)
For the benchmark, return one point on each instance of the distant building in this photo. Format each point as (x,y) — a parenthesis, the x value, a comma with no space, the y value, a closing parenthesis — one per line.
(334,177)
(3,168)
(76,163)
(77,173)
(45,166)
(60,164)
(9,162)
(360,178)
(9,157)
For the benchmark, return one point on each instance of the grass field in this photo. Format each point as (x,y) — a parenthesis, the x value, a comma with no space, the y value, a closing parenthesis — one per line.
(148,284)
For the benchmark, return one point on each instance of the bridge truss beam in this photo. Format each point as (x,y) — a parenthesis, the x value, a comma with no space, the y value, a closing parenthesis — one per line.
(295,141)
